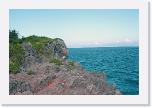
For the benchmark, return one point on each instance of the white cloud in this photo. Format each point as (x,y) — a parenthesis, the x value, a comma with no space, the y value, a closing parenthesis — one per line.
(127,40)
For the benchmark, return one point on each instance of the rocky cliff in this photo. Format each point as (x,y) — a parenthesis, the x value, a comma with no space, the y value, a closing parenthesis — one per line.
(41,68)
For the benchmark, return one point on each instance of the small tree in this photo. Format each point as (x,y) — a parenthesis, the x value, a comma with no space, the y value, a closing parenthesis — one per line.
(13,35)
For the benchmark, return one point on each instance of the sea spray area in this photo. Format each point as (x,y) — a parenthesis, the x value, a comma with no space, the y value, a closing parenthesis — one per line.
(121,65)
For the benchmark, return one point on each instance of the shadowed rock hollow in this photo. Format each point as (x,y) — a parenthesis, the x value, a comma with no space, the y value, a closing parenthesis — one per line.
(44,70)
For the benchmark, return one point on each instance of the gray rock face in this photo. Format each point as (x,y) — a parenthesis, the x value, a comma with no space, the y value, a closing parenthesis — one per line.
(58,48)
(30,58)
(29,51)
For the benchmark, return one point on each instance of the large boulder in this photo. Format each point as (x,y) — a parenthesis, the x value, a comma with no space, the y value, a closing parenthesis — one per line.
(58,48)
(31,58)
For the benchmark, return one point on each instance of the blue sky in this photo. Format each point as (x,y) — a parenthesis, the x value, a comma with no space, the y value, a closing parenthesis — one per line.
(79,28)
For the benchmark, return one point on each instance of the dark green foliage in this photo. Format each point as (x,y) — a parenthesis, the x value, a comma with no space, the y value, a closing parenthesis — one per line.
(16,53)
(13,35)
(56,61)
(14,68)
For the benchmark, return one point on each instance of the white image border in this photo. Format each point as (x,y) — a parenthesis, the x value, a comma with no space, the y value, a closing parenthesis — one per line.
(141,99)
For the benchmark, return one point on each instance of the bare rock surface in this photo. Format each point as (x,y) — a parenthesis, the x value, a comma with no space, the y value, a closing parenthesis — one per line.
(58,48)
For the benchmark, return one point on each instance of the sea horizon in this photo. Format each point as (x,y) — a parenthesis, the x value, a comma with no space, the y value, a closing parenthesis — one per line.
(105,47)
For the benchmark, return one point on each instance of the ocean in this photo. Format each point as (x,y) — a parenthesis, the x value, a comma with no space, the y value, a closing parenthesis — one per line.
(120,64)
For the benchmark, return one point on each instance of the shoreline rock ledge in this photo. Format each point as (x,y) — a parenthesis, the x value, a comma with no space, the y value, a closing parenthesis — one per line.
(46,71)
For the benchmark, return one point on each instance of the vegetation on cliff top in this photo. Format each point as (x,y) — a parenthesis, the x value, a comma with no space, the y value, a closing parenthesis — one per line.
(16,51)
(38,43)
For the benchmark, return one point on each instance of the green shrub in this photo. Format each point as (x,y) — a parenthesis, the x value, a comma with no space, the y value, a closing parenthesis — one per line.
(13,35)
(30,72)
(39,43)
(56,61)
(14,68)
(16,53)
(71,65)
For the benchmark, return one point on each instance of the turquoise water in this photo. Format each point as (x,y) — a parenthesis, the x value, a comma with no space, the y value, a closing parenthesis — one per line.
(121,65)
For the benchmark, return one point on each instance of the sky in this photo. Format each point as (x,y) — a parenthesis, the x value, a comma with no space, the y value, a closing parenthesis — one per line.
(79,27)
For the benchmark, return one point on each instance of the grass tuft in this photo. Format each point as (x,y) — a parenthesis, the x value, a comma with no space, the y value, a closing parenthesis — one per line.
(56,61)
